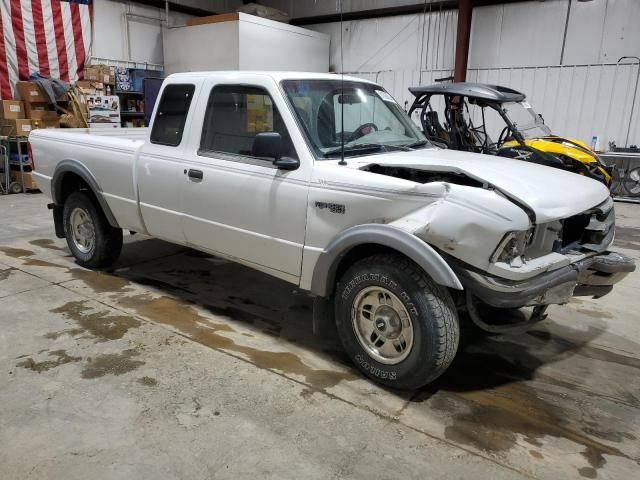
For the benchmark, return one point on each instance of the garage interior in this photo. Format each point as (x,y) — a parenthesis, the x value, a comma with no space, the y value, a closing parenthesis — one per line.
(174,363)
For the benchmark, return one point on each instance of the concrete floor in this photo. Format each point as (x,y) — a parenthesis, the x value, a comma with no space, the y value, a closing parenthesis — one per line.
(178,365)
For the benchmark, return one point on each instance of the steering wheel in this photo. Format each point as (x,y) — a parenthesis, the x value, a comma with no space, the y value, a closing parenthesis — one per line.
(503,137)
(360,131)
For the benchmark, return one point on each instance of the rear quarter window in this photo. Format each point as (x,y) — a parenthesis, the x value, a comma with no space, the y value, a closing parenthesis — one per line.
(171,116)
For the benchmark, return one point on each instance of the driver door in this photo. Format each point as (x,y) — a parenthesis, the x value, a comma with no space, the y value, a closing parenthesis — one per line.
(236,204)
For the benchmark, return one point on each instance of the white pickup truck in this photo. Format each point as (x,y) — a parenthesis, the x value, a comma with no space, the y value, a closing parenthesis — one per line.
(400,242)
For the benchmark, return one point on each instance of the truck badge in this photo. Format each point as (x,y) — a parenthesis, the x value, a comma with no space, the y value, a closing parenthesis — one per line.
(332,207)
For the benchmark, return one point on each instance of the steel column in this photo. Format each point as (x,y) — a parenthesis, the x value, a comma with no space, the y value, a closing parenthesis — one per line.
(465,9)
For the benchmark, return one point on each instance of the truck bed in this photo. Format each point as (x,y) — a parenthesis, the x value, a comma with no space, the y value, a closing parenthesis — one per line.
(108,153)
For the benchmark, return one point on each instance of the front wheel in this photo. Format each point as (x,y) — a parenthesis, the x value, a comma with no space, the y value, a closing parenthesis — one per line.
(398,326)
(90,238)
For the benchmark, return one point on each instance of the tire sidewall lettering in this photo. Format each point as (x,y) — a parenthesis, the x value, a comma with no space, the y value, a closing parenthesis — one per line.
(375,370)
(383,279)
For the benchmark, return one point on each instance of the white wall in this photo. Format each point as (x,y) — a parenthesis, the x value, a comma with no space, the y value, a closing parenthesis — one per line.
(129,32)
(518,45)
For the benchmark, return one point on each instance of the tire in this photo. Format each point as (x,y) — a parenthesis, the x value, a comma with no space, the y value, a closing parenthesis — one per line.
(433,322)
(105,248)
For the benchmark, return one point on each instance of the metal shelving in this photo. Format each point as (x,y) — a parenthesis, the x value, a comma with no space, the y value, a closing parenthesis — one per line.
(6,142)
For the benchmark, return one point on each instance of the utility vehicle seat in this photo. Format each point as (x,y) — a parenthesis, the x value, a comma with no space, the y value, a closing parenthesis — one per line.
(433,129)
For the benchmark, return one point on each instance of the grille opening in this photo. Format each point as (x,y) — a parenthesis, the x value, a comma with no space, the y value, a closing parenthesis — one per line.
(573,229)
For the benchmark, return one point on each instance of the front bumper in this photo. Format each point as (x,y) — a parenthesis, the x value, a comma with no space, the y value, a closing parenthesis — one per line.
(593,276)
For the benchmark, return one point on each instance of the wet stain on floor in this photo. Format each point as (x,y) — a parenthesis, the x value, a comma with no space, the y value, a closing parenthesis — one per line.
(486,398)
(47,243)
(16,252)
(111,364)
(587,350)
(61,358)
(609,436)
(490,406)
(100,282)
(188,321)
(101,324)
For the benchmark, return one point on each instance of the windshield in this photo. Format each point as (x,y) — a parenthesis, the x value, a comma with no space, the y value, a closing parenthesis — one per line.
(373,121)
(527,121)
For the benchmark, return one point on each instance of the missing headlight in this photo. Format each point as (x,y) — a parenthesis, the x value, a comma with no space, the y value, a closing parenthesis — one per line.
(511,246)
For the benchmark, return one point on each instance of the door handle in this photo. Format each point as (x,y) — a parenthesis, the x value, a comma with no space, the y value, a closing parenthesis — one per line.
(195,174)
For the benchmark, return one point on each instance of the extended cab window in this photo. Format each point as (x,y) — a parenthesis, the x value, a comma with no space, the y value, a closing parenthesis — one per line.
(172,115)
(235,115)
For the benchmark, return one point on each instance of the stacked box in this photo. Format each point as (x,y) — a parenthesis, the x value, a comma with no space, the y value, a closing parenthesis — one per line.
(108,75)
(90,87)
(30,93)
(92,73)
(12,119)
(100,73)
(11,109)
(37,113)
(16,127)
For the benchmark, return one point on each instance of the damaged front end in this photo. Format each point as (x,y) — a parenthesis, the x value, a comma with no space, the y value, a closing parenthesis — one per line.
(514,249)
(591,269)
(593,276)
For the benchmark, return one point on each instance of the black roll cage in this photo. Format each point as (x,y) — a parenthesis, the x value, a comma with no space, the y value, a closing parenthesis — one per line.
(453,104)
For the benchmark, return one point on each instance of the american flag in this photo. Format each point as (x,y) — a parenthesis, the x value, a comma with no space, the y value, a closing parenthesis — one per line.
(51,37)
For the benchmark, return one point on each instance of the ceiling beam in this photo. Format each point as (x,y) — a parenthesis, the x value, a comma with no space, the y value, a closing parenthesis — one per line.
(436,5)
(176,7)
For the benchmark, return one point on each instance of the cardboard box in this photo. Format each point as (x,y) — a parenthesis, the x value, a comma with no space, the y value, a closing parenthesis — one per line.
(93,73)
(18,127)
(29,92)
(24,178)
(12,109)
(30,108)
(46,123)
(44,115)
(90,87)
(107,74)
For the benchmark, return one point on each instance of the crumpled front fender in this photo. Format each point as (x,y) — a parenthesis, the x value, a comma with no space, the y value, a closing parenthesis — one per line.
(324,274)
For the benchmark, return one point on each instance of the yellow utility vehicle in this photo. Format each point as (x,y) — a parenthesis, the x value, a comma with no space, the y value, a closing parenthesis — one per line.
(474,113)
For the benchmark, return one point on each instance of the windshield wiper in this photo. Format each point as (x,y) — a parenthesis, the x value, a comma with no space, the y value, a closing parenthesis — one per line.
(419,143)
(367,147)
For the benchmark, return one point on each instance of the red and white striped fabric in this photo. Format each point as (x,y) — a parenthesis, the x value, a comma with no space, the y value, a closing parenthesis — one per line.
(51,37)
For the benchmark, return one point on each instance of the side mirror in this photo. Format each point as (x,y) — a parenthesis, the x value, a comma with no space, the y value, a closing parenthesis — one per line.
(287,163)
(269,145)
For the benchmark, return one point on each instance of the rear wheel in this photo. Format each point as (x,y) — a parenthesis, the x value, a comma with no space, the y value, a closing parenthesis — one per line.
(89,236)
(395,323)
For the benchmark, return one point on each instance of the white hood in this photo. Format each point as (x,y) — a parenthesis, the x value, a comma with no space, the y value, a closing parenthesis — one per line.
(551,193)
